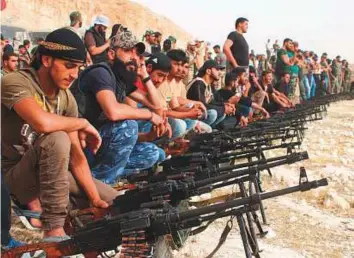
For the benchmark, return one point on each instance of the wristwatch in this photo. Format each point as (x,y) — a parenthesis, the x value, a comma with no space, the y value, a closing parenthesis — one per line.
(146,79)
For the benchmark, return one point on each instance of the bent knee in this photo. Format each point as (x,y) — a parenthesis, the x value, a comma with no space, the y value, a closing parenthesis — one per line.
(59,142)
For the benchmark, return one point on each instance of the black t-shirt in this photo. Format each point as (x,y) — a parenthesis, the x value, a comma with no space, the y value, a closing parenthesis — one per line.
(239,48)
(197,92)
(225,94)
(96,80)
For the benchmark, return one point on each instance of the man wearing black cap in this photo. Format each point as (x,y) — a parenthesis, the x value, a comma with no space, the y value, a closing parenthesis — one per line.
(42,136)
(200,89)
(101,89)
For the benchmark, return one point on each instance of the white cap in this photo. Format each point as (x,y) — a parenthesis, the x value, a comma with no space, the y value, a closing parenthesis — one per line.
(102,20)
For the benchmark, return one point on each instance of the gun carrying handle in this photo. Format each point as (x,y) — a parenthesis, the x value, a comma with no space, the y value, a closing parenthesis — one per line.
(74,215)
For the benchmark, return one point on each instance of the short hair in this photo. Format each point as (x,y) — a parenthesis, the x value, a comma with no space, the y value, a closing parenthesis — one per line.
(39,39)
(240,20)
(238,71)
(6,56)
(264,73)
(21,46)
(157,34)
(216,46)
(284,73)
(287,40)
(177,55)
(26,42)
(166,46)
(229,77)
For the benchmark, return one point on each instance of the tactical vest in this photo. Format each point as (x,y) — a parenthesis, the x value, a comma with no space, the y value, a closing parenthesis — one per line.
(100,41)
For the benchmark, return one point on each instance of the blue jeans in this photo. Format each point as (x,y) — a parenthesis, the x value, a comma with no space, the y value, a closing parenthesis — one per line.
(121,154)
(179,127)
(212,115)
(307,86)
(312,85)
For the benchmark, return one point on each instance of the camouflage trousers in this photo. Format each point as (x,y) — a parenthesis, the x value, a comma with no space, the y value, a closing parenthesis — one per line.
(294,90)
(121,154)
(336,85)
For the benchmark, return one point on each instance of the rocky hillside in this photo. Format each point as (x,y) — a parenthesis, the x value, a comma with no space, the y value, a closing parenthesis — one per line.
(46,15)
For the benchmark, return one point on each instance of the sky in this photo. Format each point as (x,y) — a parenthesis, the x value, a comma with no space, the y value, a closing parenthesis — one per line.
(318,25)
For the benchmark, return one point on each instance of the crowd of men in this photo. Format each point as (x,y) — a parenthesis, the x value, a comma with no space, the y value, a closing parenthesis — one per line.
(79,113)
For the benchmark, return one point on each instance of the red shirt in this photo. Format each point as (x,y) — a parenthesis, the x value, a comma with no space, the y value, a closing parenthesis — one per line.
(140,85)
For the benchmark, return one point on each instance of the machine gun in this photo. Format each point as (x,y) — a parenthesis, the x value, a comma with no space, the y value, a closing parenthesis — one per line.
(137,231)
(200,173)
(157,194)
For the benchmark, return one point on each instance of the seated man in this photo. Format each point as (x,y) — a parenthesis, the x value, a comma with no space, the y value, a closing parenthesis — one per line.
(101,89)
(179,102)
(200,89)
(275,100)
(234,94)
(42,138)
(283,85)
(160,68)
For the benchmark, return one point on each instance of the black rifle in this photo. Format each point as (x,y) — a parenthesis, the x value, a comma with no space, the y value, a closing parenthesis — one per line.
(138,230)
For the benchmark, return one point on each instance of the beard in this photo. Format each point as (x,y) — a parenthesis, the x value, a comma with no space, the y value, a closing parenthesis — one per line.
(120,70)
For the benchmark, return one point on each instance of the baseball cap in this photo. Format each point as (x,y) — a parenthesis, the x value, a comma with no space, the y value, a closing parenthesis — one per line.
(102,20)
(149,32)
(124,39)
(198,40)
(159,61)
(63,44)
(173,39)
(209,64)
(75,17)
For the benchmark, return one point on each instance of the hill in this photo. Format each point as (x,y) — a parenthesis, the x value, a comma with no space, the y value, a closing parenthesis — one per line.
(47,15)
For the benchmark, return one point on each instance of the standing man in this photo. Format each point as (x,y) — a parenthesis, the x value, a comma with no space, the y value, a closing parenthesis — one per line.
(157,46)
(95,40)
(27,45)
(75,26)
(325,73)
(24,59)
(221,60)
(173,42)
(236,47)
(149,37)
(347,76)
(200,51)
(75,22)
(192,59)
(286,63)
(10,63)
(336,75)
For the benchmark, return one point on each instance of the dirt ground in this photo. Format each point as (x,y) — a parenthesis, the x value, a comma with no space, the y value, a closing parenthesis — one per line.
(319,223)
